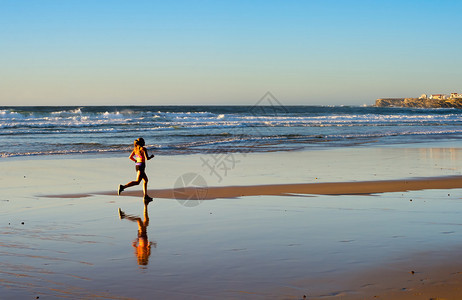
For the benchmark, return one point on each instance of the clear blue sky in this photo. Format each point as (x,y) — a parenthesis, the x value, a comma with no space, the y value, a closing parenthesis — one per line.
(91,52)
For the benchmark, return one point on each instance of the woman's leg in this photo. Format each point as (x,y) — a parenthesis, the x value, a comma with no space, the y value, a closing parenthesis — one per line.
(145,184)
(136,182)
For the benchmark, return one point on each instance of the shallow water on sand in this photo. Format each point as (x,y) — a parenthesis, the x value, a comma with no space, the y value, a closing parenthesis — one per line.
(87,174)
(234,248)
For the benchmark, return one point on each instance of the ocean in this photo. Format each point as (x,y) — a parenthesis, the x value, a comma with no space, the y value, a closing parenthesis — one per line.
(57,130)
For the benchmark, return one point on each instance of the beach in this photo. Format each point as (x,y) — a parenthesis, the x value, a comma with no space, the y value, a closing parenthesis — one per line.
(340,223)
(287,150)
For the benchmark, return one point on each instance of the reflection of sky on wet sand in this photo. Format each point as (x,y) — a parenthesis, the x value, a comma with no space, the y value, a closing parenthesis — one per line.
(95,174)
(227,248)
(336,165)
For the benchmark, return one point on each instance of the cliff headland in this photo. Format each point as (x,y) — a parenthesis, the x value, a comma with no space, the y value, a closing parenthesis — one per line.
(422,102)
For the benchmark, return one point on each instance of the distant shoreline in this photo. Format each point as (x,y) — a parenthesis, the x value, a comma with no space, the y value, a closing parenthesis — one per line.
(419,102)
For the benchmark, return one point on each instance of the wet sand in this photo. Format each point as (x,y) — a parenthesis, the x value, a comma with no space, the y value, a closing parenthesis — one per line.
(424,275)
(328,188)
(325,224)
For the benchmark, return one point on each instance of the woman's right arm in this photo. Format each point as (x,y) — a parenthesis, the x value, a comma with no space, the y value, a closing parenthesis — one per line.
(132,155)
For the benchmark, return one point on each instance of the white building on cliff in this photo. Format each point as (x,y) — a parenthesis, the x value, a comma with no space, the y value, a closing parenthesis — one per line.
(438,97)
(441,96)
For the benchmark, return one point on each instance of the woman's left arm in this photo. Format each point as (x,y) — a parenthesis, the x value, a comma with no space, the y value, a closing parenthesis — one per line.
(147,155)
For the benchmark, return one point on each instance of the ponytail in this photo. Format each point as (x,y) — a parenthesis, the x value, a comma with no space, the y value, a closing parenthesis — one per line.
(140,142)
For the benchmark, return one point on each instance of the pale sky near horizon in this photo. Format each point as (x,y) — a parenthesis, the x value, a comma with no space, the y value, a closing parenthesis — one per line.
(114,52)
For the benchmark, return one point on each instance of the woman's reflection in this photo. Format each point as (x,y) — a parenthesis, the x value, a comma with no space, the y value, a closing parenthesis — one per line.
(142,244)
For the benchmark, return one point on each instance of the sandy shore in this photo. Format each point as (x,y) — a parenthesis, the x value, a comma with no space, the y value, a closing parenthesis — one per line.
(340,224)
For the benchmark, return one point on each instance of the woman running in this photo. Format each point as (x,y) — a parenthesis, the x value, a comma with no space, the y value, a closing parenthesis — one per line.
(139,155)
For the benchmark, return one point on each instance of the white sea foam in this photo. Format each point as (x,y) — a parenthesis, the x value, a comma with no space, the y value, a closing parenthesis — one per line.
(8,114)
(116,115)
